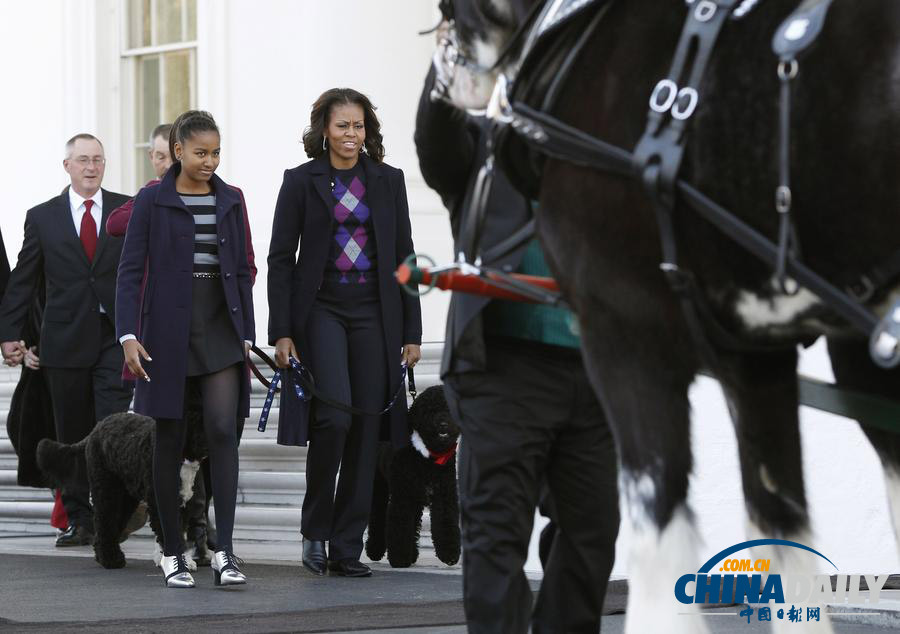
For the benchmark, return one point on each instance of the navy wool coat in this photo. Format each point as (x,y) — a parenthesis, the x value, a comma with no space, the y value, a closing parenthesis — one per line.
(161,233)
(304,214)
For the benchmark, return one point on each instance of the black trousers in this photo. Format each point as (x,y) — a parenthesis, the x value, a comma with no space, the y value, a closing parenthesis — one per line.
(532,419)
(81,397)
(348,357)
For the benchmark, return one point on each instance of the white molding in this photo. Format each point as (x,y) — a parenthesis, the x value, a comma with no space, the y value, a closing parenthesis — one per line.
(212,63)
(162,48)
(80,63)
(107,93)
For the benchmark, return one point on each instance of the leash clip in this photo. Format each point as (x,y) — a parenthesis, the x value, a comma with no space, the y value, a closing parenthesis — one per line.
(884,346)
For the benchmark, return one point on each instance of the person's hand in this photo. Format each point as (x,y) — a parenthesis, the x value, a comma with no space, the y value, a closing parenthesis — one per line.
(284,350)
(411,354)
(134,352)
(31,359)
(13,352)
(246,350)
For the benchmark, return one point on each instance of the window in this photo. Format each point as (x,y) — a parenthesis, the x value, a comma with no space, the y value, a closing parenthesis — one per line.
(161,49)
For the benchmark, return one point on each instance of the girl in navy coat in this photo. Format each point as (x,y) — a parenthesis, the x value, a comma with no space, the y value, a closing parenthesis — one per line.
(195,322)
(338,308)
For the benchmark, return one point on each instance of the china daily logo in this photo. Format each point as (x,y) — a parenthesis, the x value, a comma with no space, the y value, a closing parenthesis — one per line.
(796,597)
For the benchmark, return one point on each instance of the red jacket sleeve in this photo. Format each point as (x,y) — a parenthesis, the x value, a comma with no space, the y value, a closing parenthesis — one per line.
(251,258)
(117,223)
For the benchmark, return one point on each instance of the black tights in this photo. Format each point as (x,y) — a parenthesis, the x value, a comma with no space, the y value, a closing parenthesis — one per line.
(219,393)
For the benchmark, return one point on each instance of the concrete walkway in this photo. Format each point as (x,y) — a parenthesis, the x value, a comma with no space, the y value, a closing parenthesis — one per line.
(45,589)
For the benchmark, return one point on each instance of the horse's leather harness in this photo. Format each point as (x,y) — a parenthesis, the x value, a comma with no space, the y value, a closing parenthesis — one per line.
(657,158)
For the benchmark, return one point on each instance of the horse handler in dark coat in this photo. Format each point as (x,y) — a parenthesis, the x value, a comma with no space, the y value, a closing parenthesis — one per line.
(339,309)
(195,321)
(532,428)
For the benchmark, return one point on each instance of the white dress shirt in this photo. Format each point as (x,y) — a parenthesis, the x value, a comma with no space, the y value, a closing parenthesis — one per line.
(76,204)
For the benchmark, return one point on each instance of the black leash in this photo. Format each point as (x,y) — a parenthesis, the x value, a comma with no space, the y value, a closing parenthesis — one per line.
(306,381)
(305,388)
(256,371)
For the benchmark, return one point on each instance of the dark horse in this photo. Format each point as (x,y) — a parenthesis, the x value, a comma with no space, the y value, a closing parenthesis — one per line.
(603,244)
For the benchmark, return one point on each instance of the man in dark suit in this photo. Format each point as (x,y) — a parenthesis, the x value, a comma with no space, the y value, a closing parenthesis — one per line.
(67,249)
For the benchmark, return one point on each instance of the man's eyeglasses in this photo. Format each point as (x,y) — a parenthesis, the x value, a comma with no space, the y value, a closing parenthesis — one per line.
(84,161)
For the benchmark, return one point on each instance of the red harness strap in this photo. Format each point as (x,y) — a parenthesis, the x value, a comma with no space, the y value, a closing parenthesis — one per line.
(444,457)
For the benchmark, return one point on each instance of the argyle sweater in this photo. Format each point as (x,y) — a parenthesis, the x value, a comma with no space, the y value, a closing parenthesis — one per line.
(353,256)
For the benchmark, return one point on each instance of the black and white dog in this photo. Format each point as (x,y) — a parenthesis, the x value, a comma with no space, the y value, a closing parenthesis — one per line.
(119,457)
(419,475)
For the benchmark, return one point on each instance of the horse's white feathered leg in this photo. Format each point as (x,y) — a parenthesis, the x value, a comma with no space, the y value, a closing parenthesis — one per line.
(657,559)
(788,561)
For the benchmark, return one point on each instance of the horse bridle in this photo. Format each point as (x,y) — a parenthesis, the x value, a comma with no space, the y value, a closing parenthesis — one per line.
(449,54)
(656,162)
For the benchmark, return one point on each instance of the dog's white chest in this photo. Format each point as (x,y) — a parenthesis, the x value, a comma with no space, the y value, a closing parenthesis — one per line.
(188,473)
(419,445)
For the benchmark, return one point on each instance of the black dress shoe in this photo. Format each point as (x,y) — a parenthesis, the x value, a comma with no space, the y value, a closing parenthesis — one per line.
(350,568)
(314,558)
(75,536)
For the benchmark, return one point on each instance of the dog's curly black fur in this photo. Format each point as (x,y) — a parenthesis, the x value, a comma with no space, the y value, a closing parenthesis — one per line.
(406,482)
(119,456)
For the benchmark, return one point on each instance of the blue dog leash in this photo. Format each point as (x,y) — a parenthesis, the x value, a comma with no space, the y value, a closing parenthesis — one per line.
(298,372)
(273,388)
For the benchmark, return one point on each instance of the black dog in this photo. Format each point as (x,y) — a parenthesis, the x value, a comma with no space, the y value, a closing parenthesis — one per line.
(419,475)
(119,457)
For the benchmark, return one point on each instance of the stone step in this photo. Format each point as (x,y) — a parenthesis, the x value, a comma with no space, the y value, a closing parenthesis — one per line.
(8,459)
(264,454)
(23,494)
(271,488)
(254,487)
(253,522)
(259,453)
(26,516)
(6,391)
(10,491)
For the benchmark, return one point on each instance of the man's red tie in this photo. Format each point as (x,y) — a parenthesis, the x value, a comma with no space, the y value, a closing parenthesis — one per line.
(88,231)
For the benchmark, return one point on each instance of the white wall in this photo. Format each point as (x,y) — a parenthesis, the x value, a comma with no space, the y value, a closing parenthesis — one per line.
(32,111)
(261,65)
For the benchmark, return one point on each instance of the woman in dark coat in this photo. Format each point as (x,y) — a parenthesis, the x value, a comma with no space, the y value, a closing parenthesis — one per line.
(195,321)
(338,308)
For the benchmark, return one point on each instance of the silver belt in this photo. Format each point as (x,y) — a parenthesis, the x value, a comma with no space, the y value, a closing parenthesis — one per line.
(203,275)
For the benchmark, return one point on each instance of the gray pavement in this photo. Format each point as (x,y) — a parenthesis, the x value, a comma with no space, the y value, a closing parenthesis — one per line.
(74,594)
(43,589)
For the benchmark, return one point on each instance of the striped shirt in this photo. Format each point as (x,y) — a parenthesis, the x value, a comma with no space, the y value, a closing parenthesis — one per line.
(206,246)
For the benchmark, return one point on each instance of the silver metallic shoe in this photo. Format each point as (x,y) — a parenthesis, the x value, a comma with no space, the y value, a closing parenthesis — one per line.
(225,568)
(175,569)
